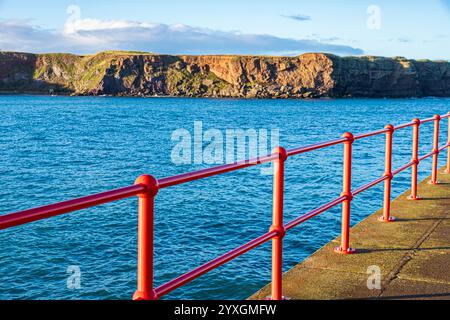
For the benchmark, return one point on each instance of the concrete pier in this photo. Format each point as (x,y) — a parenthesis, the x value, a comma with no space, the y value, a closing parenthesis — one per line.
(412,254)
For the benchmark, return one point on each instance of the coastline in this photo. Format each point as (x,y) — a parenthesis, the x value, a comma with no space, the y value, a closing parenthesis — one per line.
(40,94)
(308,76)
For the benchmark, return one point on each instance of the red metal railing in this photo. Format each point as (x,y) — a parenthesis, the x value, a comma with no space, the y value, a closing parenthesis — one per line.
(146,188)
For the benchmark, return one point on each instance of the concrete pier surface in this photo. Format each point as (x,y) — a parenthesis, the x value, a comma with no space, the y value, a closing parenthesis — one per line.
(412,254)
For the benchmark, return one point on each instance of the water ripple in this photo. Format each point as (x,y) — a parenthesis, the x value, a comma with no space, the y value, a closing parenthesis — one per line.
(62,147)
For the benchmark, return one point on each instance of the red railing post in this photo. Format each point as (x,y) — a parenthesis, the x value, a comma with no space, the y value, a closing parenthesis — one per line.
(277,224)
(448,147)
(415,160)
(346,192)
(437,119)
(388,173)
(145,290)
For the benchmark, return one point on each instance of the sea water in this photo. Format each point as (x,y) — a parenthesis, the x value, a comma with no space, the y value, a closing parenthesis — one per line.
(58,148)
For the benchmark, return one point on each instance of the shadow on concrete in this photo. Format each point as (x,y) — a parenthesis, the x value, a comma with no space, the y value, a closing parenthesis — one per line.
(411,296)
(366,251)
(418,296)
(421,219)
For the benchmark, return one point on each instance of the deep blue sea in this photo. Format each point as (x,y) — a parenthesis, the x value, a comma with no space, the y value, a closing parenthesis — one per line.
(57,148)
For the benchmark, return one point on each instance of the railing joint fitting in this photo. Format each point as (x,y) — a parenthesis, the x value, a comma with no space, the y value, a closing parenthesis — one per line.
(349,136)
(348,195)
(417,121)
(280,230)
(151,185)
(141,296)
(281,152)
(390,128)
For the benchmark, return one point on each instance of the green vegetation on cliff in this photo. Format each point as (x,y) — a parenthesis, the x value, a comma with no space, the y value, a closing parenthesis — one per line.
(311,75)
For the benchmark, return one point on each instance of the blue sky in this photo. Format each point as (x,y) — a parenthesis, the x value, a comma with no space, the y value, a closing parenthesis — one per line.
(414,28)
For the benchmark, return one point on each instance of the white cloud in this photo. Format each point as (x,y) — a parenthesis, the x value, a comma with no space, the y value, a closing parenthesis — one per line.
(92,35)
(20,35)
(80,25)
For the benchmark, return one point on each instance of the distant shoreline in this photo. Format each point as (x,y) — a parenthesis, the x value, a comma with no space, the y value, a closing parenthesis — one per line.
(309,76)
(37,94)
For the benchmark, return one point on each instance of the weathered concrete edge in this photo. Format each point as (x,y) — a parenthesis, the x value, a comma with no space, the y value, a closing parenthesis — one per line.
(402,257)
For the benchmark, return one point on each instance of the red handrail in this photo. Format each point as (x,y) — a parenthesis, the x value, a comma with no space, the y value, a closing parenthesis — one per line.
(26,216)
(194,274)
(205,173)
(146,188)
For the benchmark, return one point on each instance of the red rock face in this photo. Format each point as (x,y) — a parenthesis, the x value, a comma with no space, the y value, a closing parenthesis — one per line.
(306,76)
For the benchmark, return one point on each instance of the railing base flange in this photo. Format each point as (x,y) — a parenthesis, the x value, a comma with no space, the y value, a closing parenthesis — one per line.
(283,298)
(339,250)
(382,219)
(140,296)
(390,219)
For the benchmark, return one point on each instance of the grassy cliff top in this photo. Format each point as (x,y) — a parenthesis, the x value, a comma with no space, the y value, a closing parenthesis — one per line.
(121,53)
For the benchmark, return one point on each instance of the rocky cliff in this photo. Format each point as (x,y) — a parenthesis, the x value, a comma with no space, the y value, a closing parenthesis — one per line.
(143,74)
